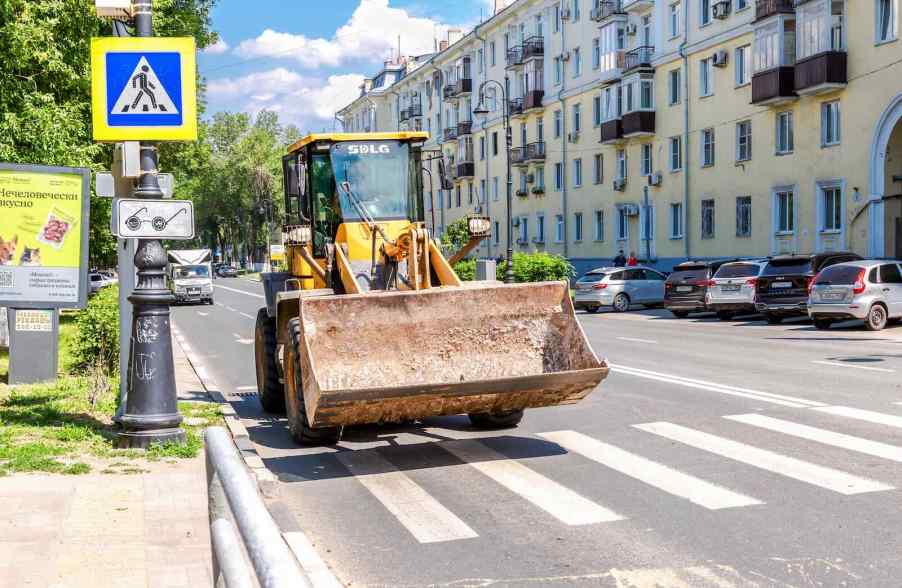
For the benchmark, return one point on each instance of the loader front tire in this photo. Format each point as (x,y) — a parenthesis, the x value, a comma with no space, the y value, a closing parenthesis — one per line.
(505,420)
(298,424)
(269,389)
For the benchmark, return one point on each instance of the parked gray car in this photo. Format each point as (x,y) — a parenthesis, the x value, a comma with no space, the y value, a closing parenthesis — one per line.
(732,289)
(619,288)
(868,290)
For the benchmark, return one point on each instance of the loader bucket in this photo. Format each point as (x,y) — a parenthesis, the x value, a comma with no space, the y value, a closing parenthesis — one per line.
(486,348)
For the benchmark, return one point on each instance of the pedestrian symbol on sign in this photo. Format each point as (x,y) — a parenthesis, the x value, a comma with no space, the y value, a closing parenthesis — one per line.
(144,93)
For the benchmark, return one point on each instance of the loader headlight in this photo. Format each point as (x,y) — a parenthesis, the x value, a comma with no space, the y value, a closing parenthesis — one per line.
(479,226)
(297,235)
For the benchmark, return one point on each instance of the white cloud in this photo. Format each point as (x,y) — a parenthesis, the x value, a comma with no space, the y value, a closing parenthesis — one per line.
(371,35)
(217,48)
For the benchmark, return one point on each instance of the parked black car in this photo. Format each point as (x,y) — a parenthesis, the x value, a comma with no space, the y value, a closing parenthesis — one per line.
(782,289)
(686,288)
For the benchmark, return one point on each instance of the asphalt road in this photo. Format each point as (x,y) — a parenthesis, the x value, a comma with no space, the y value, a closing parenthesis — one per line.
(716,454)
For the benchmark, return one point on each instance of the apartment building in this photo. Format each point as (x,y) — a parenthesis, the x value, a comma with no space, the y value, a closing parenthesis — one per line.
(673,129)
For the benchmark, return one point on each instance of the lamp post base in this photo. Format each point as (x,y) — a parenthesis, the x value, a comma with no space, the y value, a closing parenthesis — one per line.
(136,438)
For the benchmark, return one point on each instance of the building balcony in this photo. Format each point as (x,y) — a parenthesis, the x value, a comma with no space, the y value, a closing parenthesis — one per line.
(415,110)
(450,134)
(515,106)
(612,131)
(767,8)
(640,123)
(514,56)
(533,100)
(464,127)
(637,5)
(616,72)
(448,91)
(535,151)
(638,58)
(462,86)
(465,170)
(605,9)
(774,86)
(404,116)
(533,47)
(518,156)
(821,73)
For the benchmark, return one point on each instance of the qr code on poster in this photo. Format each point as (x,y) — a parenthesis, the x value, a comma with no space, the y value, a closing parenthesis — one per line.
(6,279)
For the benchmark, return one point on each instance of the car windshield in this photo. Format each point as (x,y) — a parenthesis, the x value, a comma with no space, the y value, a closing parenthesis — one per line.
(372,179)
(192,271)
(787,266)
(689,275)
(591,278)
(737,270)
(839,275)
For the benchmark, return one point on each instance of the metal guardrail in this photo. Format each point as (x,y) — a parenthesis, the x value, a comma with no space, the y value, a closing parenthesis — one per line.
(248,548)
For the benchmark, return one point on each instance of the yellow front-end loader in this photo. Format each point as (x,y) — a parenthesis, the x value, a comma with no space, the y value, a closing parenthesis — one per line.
(371,324)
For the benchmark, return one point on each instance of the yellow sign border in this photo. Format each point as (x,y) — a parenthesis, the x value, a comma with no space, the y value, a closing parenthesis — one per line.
(185,46)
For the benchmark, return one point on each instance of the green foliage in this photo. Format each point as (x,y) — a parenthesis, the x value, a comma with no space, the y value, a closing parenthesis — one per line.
(456,235)
(96,341)
(466,270)
(538,267)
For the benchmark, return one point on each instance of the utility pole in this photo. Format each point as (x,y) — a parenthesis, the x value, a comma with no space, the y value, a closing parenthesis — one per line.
(151,412)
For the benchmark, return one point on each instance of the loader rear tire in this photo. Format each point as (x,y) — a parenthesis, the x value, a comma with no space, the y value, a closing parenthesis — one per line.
(505,420)
(269,389)
(298,424)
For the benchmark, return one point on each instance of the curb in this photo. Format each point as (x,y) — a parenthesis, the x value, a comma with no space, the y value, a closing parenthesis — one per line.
(266,481)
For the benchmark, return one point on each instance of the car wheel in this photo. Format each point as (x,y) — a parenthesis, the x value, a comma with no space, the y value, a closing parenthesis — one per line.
(621,303)
(876,319)
(822,324)
(680,314)
(773,319)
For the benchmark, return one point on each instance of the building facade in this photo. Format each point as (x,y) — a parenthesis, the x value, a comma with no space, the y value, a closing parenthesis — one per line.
(672,129)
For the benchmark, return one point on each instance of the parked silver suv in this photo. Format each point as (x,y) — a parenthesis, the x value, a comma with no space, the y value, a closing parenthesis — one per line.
(868,290)
(732,289)
(619,288)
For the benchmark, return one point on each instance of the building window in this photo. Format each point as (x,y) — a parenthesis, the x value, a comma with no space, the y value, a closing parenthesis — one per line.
(596,53)
(540,177)
(523,181)
(559,228)
(830,127)
(598,168)
(707,219)
(457,194)
(540,228)
(647,163)
(577,118)
(558,124)
(623,225)
(596,110)
(524,230)
(707,147)
(774,45)
(540,26)
(673,87)
(785,211)
(482,192)
(744,216)
(831,205)
(784,140)
(496,233)
(556,25)
(482,148)
(673,20)
(578,226)
(741,5)
(495,188)
(741,64)
(558,176)
(577,172)
(576,11)
(744,140)
(706,77)
(492,53)
(621,164)
(886,20)
(495,143)
(558,73)
(676,154)
(820,28)
(676,220)
(599,225)
(470,192)
(704,12)
(540,129)
(577,63)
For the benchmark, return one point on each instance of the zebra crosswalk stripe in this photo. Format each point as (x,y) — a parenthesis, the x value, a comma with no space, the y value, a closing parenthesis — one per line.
(790,467)
(654,474)
(560,502)
(421,514)
(880,418)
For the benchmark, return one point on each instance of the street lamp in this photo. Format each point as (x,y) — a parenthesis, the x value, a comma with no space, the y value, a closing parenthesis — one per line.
(482,111)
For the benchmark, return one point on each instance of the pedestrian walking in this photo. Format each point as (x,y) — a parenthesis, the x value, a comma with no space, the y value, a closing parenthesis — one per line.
(620,260)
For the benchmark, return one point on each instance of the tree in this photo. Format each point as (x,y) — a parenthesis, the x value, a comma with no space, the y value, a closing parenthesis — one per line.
(456,235)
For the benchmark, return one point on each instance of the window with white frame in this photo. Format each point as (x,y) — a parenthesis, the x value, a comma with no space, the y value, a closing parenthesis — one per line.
(540,177)
(540,25)
(577,226)
(623,224)
(596,53)
(482,148)
(495,189)
(611,97)
(556,25)
(707,147)
(639,93)
(743,216)
(612,36)
(819,28)
(576,13)
(559,228)
(577,58)
(744,140)
(621,164)
(830,123)
(540,227)
(676,154)
(885,20)
(741,65)
(676,220)
(673,87)
(774,44)
(558,124)
(524,230)
(482,191)
(673,20)
(706,77)
(599,225)
(596,110)
(598,168)
(496,233)
(558,176)
(784,211)
(577,117)
(523,182)
(707,219)
(577,172)
(558,71)
(704,12)
(741,5)
(647,163)
(785,141)
(540,129)
(492,53)
(831,208)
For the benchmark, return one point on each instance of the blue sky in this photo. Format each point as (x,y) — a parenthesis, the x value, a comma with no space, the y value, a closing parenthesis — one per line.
(306,58)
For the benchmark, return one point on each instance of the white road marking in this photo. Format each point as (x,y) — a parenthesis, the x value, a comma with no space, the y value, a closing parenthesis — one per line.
(203,313)
(230,309)
(246,315)
(870,416)
(857,367)
(654,474)
(421,514)
(318,572)
(562,503)
(850,442)
(780,399)
(236,290)
(790,467)
(634,340)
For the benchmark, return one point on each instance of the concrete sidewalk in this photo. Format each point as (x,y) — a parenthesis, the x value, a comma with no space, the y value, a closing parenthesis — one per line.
(144,530)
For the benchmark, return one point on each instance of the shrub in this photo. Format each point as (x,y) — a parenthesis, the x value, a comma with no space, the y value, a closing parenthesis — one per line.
(456,236)
(466,270)
(538,267)
(96,341)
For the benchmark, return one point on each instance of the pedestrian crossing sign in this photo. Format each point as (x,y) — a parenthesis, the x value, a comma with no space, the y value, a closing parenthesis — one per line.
(144,89)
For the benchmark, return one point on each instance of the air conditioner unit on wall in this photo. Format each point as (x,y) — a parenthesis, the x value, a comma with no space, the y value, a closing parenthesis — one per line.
(573,137)
(655,179)
(722,9)
(565,56)
(721,58)
(619,185)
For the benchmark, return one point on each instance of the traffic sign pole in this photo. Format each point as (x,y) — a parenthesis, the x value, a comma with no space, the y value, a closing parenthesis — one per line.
(151,411)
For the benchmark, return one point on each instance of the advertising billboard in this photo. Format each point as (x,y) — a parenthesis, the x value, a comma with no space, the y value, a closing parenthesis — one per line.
(44,223)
